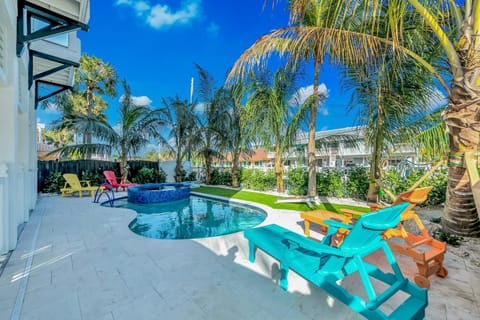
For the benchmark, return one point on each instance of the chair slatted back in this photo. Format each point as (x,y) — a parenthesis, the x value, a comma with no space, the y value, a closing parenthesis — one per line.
(110,176)
(367,231)
(72,180)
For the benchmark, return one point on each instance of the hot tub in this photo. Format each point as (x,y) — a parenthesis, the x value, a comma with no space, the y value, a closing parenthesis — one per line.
(158,192)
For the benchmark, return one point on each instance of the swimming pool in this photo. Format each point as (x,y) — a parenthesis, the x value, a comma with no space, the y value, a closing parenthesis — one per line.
(193,217)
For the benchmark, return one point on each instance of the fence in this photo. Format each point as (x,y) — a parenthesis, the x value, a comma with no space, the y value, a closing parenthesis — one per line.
(79,167)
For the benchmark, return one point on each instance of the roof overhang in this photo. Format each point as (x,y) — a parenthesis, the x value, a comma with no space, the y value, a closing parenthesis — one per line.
(51,64)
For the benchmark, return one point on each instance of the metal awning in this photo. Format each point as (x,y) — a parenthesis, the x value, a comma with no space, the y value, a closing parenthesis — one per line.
(39,19)
(52,59)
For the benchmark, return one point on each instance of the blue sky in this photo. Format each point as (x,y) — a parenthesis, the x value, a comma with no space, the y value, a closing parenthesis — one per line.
(154,44)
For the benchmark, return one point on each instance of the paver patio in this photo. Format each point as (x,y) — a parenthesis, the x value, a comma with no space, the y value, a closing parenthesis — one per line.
(87,264)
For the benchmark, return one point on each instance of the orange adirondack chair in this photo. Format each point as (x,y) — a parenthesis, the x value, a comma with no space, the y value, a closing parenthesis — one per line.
(112,180)
(427,252)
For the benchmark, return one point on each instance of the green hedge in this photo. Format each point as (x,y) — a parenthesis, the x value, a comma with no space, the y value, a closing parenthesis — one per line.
(353,184)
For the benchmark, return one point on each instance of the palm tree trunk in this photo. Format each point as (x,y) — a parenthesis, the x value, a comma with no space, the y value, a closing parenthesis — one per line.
(235,178)
(312,168)
(279,169)
(373,187)
(123,166)
(208,168)
(178,167)
(460,216)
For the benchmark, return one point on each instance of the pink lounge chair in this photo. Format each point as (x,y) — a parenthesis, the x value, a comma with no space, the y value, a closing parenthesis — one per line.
(112,180)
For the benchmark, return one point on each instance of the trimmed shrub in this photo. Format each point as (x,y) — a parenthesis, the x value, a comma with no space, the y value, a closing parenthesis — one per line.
(298,181)
(149,175)
(357,183)
(221,178)
(94,178)
(258,180)
(329,183)
(53,183)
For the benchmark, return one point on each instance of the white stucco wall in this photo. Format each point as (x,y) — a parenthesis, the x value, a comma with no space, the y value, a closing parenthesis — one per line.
(18,156)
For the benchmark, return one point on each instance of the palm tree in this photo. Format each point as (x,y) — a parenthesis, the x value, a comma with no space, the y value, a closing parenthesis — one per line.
(455,28)
(210,135)
(237,141)
(183,126)
(94,77)
(390,100)
(270,117)
(304,40)
(138,124)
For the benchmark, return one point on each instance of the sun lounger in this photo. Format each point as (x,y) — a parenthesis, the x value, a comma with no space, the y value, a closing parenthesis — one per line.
(427,252)
(112,180)
(73,184)
(324,265)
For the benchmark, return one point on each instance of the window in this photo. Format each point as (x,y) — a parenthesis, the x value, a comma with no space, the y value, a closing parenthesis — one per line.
(60,39)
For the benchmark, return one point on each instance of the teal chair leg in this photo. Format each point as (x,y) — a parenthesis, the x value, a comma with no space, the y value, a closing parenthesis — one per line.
(251,255)
(284,277)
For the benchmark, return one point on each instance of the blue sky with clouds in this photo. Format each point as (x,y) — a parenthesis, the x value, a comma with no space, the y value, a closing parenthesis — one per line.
(154,44)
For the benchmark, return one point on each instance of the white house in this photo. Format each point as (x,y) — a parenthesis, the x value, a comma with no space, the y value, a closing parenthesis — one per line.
(39,51)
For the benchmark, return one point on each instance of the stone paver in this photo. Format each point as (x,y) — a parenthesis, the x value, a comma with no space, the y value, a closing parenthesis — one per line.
(87,264)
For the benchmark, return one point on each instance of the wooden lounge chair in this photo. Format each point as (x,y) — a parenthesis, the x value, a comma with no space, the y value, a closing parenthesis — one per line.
(73,184)
(427,252)
(112,180)
(324,265)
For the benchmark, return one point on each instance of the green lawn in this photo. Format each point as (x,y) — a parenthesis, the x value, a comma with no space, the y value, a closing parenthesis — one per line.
(270,200)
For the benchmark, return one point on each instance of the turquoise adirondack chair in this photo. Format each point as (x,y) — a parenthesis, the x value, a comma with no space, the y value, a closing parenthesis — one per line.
(324,265)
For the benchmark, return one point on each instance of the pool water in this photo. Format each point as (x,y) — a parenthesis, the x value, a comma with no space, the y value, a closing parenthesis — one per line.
(193,217)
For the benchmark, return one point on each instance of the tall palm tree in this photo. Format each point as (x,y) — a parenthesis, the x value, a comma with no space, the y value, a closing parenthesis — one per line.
(94,77)
(302,41)
(270,117)
(210,134)
(392,93)
(183,124)
(138,124)
(237,141)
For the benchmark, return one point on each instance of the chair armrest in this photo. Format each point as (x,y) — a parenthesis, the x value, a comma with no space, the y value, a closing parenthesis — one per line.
(87,182)
(353,213)
(337,224)
(376,206)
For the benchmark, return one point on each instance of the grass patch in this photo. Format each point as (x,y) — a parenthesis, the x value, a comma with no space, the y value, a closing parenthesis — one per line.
(270,200)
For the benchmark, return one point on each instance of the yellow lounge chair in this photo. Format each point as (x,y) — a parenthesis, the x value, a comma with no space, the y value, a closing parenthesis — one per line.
(73,184)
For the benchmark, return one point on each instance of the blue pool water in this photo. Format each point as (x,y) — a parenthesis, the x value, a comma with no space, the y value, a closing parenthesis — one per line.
(193,217)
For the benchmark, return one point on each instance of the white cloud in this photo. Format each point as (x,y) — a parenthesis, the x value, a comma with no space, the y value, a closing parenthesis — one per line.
(200,107)
(299,97)
(213,28)
(138,101)
(162,16)
(141,101)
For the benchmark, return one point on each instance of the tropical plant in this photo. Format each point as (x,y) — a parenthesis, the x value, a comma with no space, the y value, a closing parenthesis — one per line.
(454,26)
(237,141)
(393,93)
(270,117)
(149,175)
(138,124)
(183,123)
(58,138)
(94,77)
(301,42)
(212,119)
